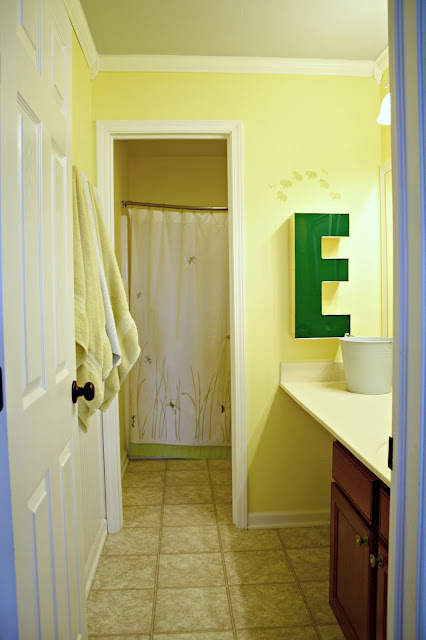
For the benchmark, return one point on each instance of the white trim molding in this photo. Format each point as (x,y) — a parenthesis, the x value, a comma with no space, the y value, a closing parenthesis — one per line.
(124,463)
(107,132)
(381,63)
(236,64)
(95,554)
(285,519)
(84,35)
(384,169)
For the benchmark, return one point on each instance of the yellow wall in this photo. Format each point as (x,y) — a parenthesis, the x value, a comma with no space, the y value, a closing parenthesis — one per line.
(83,127)
(189,180)
(291,124)
(385,130)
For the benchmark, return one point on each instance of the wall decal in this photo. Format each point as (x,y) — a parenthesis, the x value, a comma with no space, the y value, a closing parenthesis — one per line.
(298,177)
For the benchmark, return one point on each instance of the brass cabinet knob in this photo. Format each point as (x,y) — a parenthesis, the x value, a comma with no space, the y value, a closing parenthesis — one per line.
(376,561)
(361,541)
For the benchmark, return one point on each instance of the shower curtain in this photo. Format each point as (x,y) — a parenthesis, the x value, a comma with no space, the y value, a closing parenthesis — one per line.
(180,388)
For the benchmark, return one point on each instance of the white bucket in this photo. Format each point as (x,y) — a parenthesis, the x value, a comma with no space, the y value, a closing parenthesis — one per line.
(368,364)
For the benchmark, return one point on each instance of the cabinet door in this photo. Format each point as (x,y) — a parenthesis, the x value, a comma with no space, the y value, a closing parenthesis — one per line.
(382,591)
(352,580)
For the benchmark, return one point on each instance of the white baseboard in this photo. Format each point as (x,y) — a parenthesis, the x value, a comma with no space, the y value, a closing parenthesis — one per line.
(124,463)
(95,554)
(283,519)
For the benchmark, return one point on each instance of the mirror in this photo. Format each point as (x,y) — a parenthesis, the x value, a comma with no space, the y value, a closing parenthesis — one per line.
(387,247)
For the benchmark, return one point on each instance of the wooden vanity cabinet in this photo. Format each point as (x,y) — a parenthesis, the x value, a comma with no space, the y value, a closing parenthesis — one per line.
(359,533)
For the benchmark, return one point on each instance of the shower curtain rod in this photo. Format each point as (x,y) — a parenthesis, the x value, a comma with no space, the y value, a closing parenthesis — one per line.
(150,205)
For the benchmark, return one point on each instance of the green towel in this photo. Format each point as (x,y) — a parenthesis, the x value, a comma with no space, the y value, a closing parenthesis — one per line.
(125,325)
(93,350)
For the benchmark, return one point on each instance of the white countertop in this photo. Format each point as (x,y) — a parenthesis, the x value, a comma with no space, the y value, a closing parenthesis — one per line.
(362,423)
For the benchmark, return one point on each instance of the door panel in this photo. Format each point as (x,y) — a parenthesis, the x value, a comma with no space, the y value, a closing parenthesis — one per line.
(352,579)
(37,307)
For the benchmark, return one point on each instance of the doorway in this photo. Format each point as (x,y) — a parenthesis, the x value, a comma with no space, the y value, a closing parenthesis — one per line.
(107,133)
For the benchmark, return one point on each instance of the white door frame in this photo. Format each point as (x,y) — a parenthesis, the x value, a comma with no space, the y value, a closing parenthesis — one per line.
(407,541)
(230,130)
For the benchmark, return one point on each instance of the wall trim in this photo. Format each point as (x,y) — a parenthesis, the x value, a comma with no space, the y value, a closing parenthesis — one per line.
(385,167)
(236,64)
(124,463)
(232,132)
(95,554)
(84,35)
(381,63)
(284,519)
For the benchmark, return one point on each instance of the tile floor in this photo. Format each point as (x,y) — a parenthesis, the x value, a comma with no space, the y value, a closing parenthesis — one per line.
(179,569)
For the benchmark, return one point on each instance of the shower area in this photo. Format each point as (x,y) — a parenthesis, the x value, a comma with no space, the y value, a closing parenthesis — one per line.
(171,214)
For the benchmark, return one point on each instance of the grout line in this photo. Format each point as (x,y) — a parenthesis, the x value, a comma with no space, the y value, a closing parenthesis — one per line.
(157,571)
(222,555)
(298,583)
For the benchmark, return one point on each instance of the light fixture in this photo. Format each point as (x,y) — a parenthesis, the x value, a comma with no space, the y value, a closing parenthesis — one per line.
(385,110)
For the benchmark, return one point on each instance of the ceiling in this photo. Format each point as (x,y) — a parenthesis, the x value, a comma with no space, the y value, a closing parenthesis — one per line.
(333,29)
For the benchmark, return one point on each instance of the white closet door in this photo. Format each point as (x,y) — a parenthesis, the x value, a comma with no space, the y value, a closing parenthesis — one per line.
(38,317)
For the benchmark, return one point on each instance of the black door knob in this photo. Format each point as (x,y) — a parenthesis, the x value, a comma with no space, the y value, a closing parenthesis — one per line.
(88,391)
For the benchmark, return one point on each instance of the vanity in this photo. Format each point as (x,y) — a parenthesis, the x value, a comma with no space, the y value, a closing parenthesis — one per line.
(359,532)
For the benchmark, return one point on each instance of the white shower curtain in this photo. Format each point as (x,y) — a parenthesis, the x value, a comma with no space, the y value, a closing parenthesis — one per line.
(180,389)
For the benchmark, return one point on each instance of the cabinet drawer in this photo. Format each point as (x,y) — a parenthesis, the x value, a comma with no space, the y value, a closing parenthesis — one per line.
(359,483)
(384,500)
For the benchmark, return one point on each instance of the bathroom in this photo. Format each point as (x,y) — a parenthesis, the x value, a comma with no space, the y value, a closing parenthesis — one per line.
(301,138)
(322,129)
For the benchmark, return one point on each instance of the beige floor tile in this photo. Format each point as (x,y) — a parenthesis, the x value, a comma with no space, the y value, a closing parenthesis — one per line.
(224,513)
(289,633)
(310,564)
(192,609)
(145,465)
(330,632)
(141,496)
(221,476)
(121,612)
(132,541)
(125,572)
(147,516)
(220,464)
(191,570)
(234,539)
(187,478)
(317,596)
(188,495)
(209,635)
(184,515)
(222,493)
(186,465)
(189,540)
(305,537)
(268,605)
(257,567)
(143,479)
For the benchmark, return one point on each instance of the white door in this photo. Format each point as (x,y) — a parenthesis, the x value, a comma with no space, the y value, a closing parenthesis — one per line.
(38,317)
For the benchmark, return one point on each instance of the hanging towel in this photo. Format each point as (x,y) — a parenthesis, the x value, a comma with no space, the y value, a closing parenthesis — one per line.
(125,325)
(93,349)
(109,315)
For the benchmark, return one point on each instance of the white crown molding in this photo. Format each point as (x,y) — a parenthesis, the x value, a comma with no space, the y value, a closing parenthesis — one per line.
(380,65)
(230,64)
(84,35)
